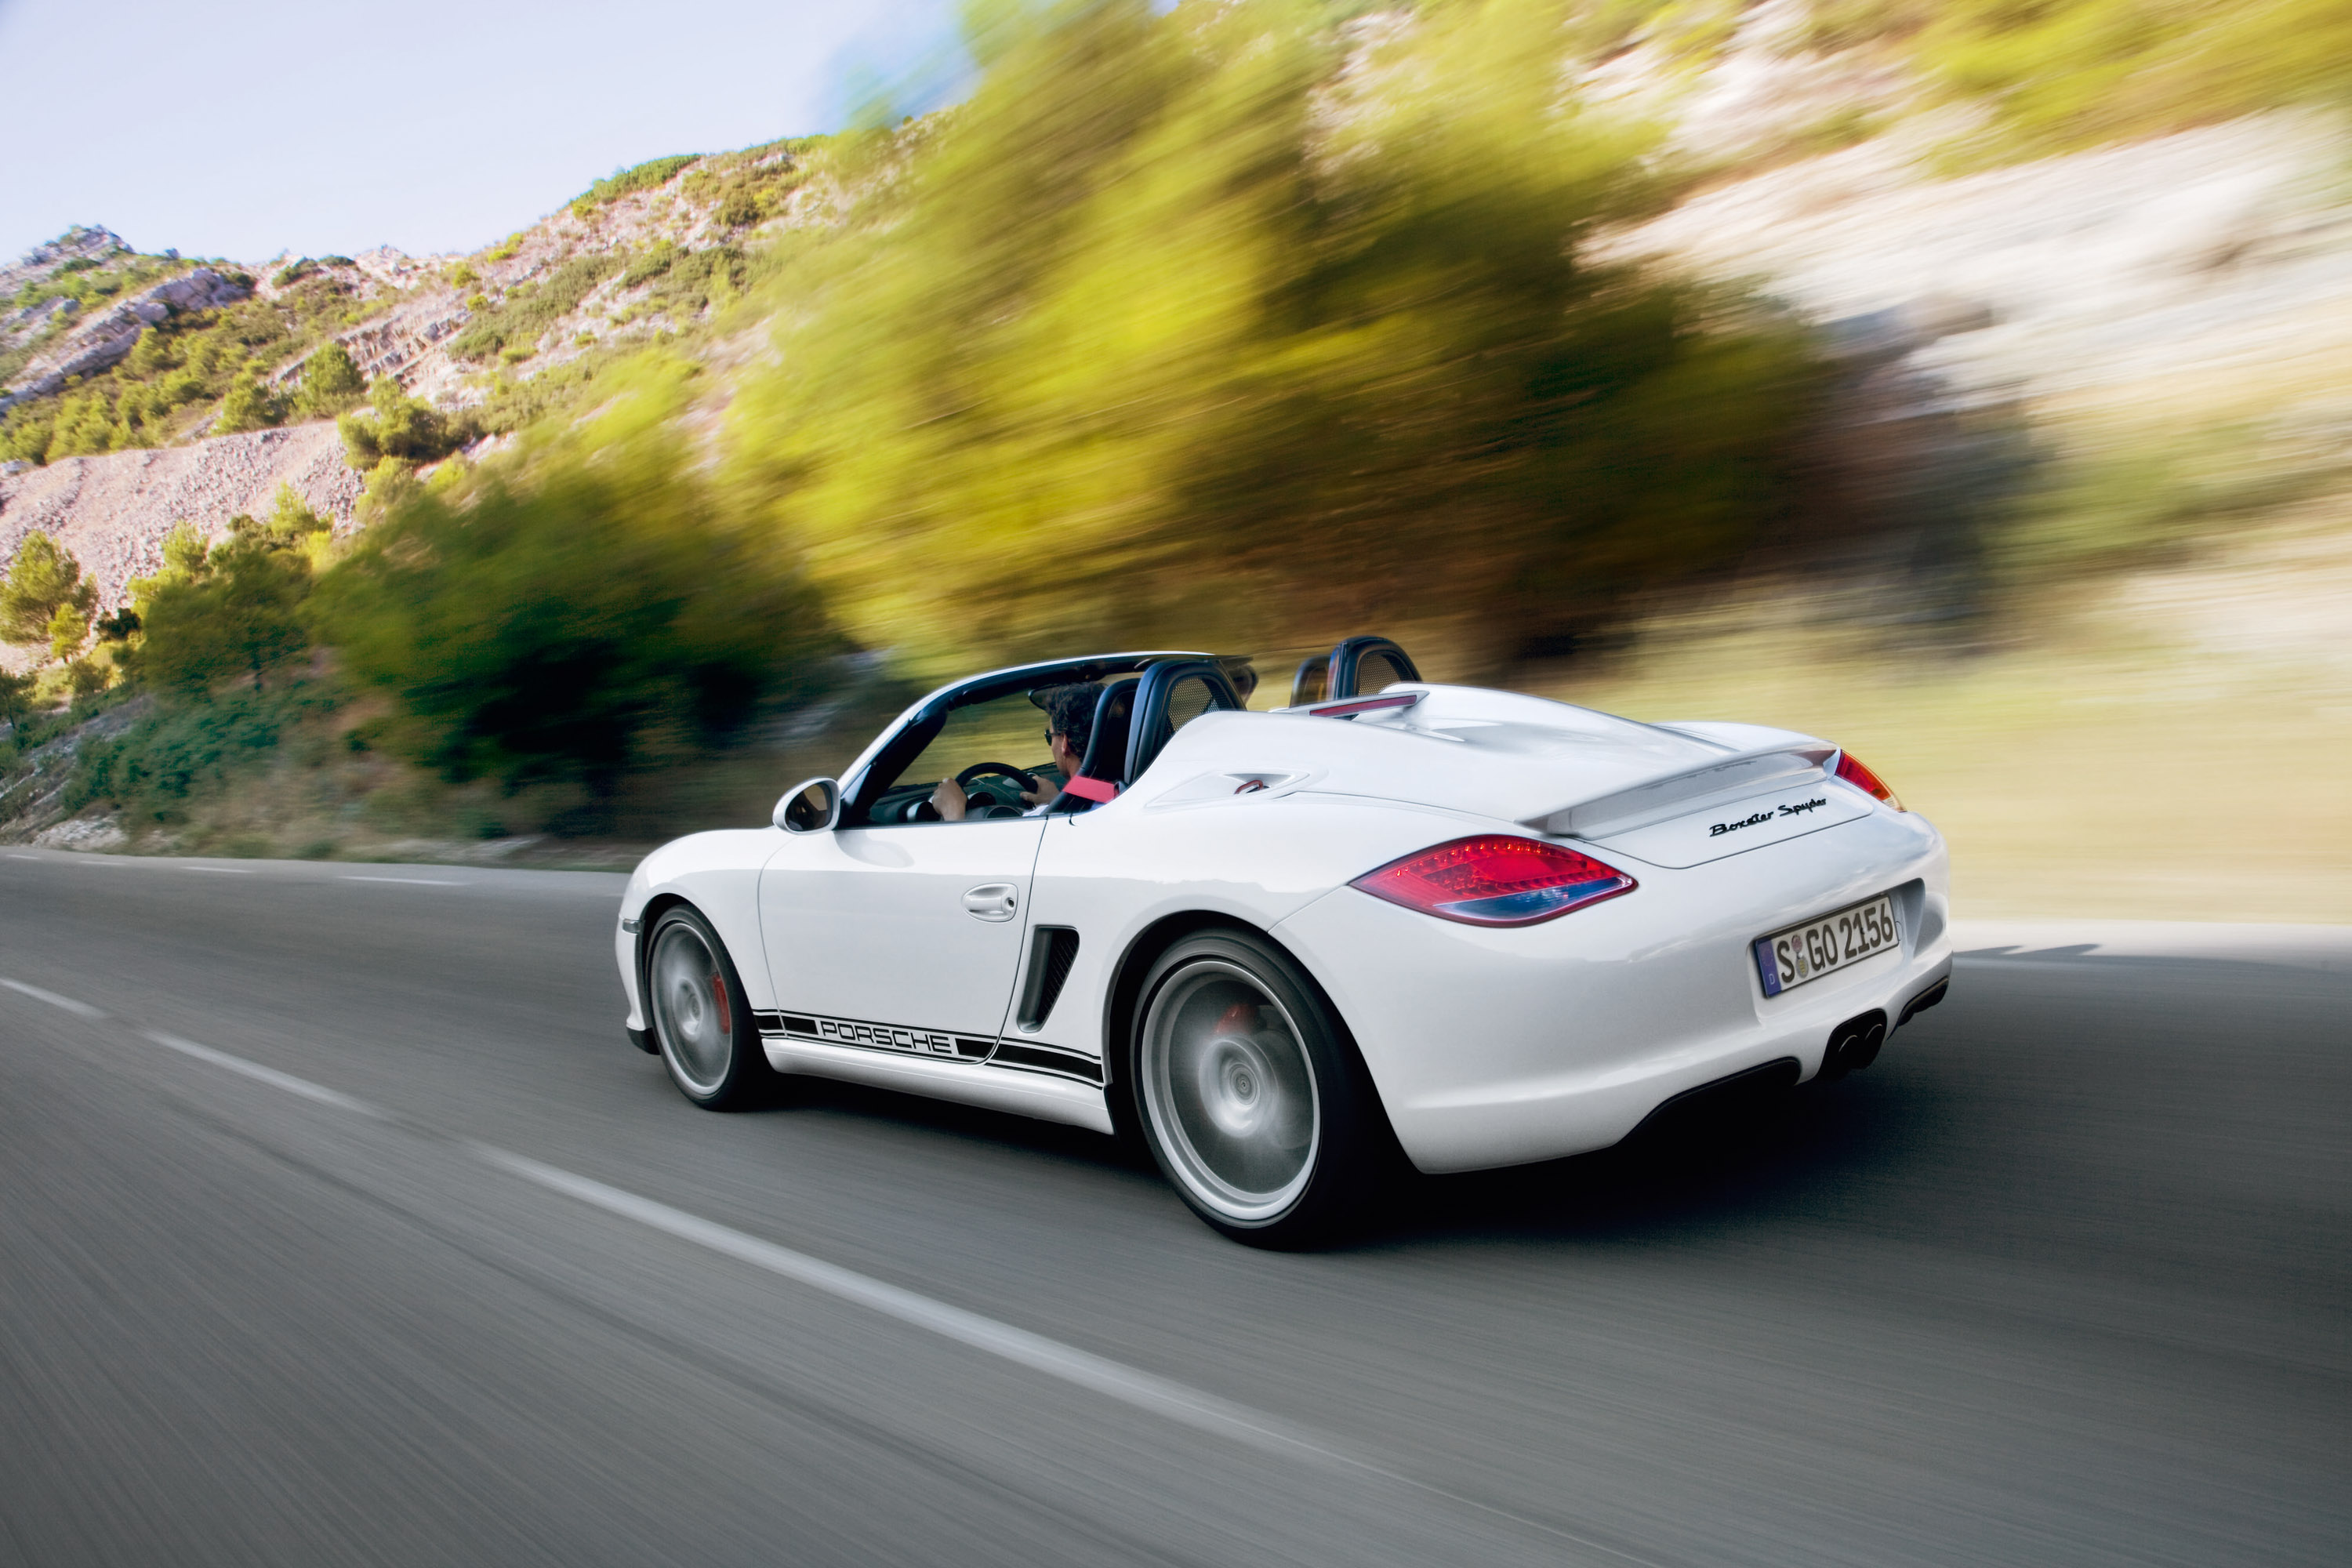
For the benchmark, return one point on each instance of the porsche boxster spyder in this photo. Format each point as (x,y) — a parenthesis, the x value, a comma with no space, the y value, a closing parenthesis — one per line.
(1281,947)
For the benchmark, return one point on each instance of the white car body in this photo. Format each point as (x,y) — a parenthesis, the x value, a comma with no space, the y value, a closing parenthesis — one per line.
(896,955)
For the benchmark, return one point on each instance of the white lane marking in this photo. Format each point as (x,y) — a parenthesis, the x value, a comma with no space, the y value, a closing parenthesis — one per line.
(270,1076)
(221,870)
(1114,1380)
(13,856)
(1128,1384)
(79,1009)
(412,881)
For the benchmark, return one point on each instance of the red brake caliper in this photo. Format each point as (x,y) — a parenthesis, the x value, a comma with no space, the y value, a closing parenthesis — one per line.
(718,995)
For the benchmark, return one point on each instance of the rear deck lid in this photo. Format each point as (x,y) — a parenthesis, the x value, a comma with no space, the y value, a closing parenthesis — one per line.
(1731,827)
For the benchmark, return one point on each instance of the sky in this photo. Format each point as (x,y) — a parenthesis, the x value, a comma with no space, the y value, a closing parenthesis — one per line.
(246,128)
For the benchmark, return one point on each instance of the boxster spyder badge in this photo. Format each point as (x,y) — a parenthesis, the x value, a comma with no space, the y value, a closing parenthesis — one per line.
(1275,945)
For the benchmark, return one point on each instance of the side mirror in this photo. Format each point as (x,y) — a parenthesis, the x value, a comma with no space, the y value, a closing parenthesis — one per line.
(811,808)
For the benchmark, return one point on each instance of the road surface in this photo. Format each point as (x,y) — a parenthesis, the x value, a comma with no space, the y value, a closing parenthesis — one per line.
(341,1225)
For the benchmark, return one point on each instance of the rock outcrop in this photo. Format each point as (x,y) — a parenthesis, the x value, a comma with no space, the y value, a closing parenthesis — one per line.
(104,340)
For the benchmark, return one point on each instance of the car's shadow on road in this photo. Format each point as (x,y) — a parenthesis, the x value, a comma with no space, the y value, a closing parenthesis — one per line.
(1741,1160)
(1744,1160)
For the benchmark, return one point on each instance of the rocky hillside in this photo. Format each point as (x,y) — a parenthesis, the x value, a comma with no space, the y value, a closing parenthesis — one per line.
(657,249)
(113,512)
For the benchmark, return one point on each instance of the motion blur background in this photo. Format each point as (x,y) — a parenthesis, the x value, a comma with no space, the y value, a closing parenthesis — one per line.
(1968,382)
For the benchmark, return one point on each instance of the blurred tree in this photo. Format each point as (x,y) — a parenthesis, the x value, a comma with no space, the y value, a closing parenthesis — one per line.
(87,678)
(44,582)
(391,481)
(16,700)
(1198,324)
(573,621)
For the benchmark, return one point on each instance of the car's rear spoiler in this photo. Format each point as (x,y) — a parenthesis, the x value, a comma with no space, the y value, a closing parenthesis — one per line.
(1684,790)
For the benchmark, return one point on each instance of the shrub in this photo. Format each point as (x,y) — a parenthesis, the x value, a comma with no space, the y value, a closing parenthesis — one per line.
(526,314)
(67,630)
(249,405)
(402,428)
(331,380)
(183,749)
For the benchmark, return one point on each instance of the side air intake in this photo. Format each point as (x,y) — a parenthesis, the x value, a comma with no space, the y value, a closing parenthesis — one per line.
(1052,950)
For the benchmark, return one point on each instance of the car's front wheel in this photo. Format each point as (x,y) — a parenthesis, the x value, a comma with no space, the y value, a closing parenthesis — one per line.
(700,1019)
(1250,1095)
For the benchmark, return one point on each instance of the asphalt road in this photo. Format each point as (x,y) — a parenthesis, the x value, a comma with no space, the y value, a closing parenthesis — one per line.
(339,1225)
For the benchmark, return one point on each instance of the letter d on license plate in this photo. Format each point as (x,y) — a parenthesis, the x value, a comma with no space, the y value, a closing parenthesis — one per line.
(1788,959)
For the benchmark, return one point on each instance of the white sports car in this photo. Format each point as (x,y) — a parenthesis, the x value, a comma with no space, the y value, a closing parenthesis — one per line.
(1476,926)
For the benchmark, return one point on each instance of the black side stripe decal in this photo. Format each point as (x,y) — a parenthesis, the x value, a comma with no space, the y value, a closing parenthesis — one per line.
(1047,1059)
(938,1044)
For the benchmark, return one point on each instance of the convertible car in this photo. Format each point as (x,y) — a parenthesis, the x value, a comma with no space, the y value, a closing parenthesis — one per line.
(1281,946)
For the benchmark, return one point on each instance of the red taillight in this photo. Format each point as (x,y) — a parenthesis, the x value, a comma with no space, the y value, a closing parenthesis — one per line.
(1495,879)
(1850,769)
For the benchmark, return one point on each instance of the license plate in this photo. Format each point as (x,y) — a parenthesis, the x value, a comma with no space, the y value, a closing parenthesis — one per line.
(1788,959)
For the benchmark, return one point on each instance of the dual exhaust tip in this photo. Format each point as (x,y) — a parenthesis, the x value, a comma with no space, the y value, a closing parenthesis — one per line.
(1854,1044)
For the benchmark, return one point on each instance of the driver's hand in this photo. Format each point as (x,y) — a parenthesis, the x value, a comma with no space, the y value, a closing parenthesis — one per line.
(949,801)
(1040,790)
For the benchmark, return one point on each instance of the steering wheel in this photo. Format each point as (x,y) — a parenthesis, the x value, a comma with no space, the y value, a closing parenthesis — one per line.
(1022,781)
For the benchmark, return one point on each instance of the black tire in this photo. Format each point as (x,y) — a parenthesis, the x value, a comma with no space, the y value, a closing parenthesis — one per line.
(702,1022)
(1250,1095)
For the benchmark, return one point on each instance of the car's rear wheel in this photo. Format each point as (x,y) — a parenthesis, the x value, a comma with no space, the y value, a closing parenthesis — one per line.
(700,1019)
(1249,1094)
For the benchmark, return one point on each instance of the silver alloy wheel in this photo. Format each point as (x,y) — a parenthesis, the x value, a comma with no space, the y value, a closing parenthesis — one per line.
(1230,1090)
(691,1011)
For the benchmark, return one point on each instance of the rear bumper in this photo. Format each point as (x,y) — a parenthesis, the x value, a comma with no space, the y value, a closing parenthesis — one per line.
(1497,1047)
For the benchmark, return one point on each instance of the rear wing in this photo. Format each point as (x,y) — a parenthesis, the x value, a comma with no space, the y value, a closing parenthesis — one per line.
(1684,790)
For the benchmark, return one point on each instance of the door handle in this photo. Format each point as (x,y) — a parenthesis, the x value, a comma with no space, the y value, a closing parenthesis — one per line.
(991,902)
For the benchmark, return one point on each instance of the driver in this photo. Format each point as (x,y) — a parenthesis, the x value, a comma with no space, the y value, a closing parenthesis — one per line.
(1069,725)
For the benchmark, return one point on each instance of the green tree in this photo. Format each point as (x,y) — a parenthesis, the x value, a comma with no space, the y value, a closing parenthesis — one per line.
(239,617)
(249,405)
(45,581)
(331,380)
(185,558)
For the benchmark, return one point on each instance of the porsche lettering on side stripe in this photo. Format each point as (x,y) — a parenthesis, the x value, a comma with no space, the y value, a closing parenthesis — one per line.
(1020,1055)
(876,1036)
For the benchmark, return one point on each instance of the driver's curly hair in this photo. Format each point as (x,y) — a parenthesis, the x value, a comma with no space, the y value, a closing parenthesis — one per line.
(1071,711)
